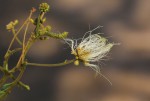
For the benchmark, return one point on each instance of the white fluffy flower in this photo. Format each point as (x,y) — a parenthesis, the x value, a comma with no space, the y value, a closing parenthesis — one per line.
(91,49)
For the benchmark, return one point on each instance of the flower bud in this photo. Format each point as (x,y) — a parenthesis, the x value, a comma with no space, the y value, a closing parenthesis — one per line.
(44,7)
(11,25)
(76,62)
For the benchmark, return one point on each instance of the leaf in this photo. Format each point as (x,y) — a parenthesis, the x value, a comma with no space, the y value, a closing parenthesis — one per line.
(6,86)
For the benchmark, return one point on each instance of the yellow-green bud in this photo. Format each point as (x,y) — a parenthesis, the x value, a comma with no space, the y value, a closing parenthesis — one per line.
(11,25)
(16,22)
(32,21)
(45,30)
(76,62)
(48,28)
(43,20)
(44,7)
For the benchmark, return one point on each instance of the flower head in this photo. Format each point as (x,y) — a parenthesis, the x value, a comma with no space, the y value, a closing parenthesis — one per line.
(44,7)
(91,49)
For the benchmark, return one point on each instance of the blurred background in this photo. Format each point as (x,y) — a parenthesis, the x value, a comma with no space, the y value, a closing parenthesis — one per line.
(128,66)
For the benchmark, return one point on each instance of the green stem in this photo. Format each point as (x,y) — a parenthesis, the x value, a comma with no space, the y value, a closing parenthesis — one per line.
(38,23)
(29,43)
(7,56)
(51,65)
(24,40)
(21,84)
(3,80)
(14,33)
(56,35)
(19,76)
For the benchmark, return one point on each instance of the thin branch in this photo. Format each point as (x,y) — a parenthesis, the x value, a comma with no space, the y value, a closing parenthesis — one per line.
(51,65)
(24,36)
(12,41)
(14,33)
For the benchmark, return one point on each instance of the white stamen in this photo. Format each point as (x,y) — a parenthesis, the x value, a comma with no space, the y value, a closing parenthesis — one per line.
(92,48)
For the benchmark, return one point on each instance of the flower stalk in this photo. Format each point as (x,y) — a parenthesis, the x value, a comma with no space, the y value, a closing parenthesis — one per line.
(51,65)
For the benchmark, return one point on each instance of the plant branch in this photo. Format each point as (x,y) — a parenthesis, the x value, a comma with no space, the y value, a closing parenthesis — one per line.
(51,65)
(24,37)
